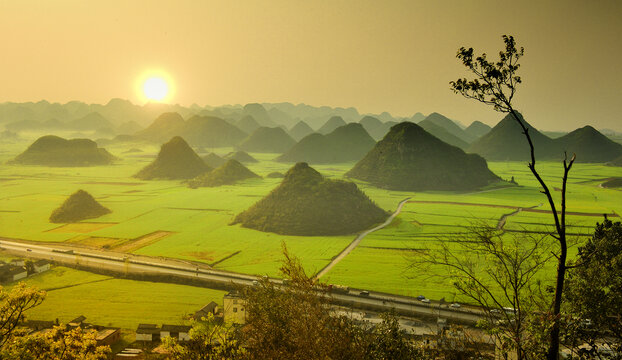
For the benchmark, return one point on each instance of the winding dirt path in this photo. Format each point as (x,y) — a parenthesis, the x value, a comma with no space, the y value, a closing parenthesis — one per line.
(357,241)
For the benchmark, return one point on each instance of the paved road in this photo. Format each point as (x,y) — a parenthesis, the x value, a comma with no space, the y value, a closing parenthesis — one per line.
(357,241)
(127,263)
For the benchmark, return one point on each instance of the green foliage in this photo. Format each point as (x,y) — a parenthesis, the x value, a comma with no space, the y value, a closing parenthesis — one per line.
(408,158)
(296,322)
(228,173)
(79,206)
(594,288)
(52,150)
(305,203)
(60,343)
(209,340)
(346,143)
(176,160)
(13,306)
(267,140)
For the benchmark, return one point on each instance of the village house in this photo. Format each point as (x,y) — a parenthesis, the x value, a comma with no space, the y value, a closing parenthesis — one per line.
(180,332)
(147,332)
(234,308)
(211,308)
(108,336)
(41,266)
(12,273)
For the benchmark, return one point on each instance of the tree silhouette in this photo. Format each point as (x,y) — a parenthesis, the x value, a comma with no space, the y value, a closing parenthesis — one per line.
(495,84)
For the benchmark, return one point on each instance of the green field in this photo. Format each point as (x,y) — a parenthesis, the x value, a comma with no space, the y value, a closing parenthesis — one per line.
(198,219)
(107,301)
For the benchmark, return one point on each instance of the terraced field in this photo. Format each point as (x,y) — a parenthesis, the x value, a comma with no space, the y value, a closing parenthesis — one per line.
(166,218)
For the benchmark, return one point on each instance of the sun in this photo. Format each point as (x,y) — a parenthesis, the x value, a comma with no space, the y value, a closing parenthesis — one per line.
(155,85)
(155,88)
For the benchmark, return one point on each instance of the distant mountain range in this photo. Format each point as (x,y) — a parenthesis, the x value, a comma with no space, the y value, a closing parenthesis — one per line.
(506,142)
(229,126)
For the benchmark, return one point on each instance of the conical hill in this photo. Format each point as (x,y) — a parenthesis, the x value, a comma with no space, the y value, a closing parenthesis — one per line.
(267,140)
(408,158)
(300,130)
(228,173)
(79,206)
(589,145)
(330,125)
(307,204)
(506,142)
(347,143)
(477,129)
(52,150)
(176,160)
(241,156)
(212,160)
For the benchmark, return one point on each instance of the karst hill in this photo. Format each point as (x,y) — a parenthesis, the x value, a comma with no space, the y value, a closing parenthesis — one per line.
(52,150)
(212,160)
(267,140)
(206,131)
(241,156)
(506,142)
(409,158)
(347,143)
(228,173)
(79,206)
(300,130)
(333,123)
(307,204)
(176,160)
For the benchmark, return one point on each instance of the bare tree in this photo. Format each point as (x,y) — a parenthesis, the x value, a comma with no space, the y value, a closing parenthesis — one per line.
(499,274)
(495,84)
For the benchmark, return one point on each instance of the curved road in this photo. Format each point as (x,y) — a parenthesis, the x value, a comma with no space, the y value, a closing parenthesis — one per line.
(357,241)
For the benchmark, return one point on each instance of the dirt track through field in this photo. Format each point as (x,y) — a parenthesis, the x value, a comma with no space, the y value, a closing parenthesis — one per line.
(357,241)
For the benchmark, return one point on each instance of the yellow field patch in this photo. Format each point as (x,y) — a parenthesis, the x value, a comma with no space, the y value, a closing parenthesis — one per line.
(142,241)
(81,228)
(96,241)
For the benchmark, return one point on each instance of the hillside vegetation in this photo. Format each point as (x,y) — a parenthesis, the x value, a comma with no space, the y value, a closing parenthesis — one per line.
(228,173)
(268,140)
(79,206)
(409,158)
(347,143)
(52,150)
(176,160)
(306,203)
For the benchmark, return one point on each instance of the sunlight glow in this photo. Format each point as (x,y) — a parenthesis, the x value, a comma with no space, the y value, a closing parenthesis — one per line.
(155,86)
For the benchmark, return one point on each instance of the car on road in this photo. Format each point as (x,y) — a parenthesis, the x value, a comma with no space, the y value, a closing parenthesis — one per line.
(255,282)
(28,249)
(425,300)
(420,297)
(455,305)
(364,293)
(495,311)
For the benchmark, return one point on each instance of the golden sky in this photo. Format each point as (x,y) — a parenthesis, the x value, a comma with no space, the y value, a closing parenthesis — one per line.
(395,56)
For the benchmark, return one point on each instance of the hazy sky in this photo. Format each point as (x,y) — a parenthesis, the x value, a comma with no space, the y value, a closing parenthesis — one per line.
(395,56)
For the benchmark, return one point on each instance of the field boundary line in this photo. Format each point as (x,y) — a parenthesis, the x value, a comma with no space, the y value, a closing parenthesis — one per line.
(357,241)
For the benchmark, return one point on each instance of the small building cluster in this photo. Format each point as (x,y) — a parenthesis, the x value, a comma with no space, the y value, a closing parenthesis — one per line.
(151,332)
(18,269)
(105,335)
